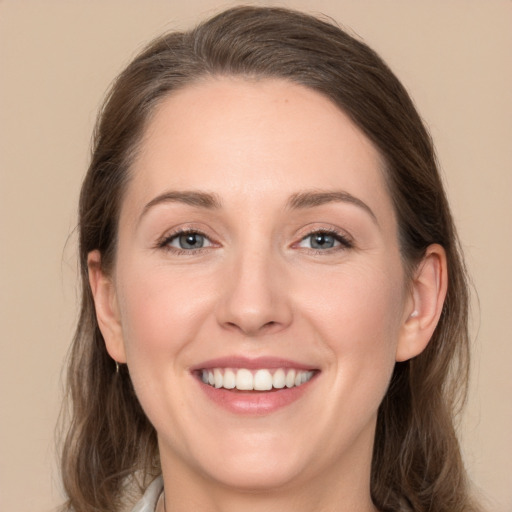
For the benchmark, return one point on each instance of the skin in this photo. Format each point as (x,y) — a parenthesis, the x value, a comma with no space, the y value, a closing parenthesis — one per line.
(258,288)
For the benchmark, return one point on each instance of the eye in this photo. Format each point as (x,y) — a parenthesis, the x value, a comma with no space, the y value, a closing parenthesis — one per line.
(324,240)
(187,241)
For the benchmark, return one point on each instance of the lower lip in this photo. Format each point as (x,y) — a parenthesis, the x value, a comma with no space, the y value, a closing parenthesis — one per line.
(254,402)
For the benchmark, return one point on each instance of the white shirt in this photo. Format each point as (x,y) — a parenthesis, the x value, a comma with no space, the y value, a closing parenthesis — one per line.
(149,500)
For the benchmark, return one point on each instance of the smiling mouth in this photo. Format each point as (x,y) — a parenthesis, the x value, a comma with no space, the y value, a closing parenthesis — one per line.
(243,379)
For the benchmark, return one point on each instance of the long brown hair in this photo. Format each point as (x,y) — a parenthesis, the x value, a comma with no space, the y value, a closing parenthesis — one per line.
(416,464)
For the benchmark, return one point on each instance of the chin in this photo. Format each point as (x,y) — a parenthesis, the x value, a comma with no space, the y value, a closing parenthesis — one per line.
(251,463)
(254,476)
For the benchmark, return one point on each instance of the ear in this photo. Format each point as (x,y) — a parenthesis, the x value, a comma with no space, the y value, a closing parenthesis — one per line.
(425,303)
(107,310)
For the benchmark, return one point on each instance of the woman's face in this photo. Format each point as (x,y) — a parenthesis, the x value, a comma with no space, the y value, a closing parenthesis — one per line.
(258,248)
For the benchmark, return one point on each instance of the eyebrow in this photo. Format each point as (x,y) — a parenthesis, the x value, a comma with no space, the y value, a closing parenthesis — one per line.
(298,201)
(191,198)
(311,199)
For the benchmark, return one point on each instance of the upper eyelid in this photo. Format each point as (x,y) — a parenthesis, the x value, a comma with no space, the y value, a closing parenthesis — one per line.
(329,231)
(173,234)
(311,230)
(187,227)
(343,240)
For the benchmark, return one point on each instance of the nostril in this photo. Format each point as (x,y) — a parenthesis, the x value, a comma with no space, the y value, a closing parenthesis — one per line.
(253,330)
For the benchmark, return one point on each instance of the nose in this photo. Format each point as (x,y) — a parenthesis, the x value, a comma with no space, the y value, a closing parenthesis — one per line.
(254,296)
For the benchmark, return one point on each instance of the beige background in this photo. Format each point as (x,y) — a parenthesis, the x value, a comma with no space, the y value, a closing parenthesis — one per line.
(57,59)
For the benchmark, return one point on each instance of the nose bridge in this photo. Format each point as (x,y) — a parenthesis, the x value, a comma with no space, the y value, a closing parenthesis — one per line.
(255,299)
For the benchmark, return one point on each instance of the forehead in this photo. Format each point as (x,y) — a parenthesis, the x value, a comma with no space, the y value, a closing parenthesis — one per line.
(253,138)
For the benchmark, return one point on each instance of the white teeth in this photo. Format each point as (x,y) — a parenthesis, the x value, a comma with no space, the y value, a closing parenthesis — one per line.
(262,380)
(229,379)
(217,377)
(244,380)
(279,379)
(257,380)
(290,379)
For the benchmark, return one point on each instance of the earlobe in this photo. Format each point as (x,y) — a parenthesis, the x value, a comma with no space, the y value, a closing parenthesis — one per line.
(107,311)
(425,304)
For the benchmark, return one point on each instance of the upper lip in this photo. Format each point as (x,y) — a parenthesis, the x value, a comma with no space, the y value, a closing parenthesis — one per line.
(266,362)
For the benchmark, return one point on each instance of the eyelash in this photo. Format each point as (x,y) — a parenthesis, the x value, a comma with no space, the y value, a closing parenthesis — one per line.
(344,241)
(164,243)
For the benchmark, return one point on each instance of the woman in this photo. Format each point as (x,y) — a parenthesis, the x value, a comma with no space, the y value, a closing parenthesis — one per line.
(274,309)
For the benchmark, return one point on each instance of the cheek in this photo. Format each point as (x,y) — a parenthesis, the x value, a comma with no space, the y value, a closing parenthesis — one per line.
(358,317)
(359,302)
(160,312)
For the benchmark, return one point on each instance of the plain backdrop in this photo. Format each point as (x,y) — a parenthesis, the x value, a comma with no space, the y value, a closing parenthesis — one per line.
(57,59)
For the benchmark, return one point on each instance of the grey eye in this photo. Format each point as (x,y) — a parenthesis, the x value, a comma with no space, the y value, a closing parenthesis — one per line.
(319,241)
(325,240)
(322,241)
(189,241)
